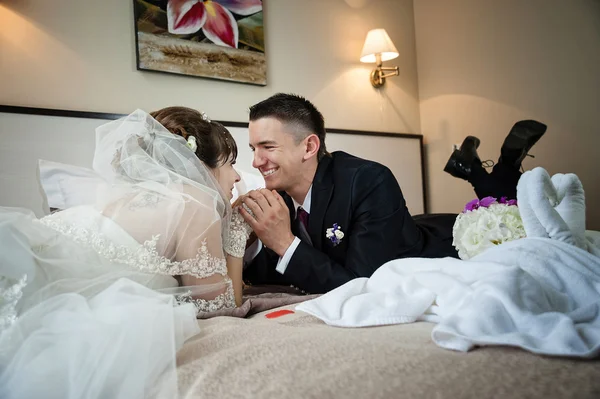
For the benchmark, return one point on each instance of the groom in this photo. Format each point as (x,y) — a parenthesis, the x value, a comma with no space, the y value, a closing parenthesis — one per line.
(325,218)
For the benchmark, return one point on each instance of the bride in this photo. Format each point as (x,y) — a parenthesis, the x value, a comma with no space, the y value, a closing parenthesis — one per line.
(95,300)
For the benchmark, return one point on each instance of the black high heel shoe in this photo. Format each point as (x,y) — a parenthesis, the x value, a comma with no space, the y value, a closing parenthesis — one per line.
(523,135)
(461,161)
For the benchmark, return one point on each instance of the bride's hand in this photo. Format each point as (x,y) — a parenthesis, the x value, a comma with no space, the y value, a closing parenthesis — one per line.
(238,202)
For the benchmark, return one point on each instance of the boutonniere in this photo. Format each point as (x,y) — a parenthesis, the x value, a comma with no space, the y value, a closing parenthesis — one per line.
(335,234)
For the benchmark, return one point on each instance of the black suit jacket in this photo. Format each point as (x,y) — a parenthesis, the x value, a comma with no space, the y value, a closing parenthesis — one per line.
(365,200)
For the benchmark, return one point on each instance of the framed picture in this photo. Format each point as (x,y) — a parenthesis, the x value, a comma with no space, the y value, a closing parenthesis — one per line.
(216,39)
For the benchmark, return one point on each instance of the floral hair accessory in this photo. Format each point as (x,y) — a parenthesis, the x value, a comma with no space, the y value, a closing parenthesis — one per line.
(486,223)
(335,234)
(191,142)
(205,117)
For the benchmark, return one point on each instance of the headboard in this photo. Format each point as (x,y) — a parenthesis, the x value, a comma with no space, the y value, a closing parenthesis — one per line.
(66,136)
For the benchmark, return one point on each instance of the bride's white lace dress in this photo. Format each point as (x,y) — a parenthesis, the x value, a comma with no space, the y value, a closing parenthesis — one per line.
(91,298)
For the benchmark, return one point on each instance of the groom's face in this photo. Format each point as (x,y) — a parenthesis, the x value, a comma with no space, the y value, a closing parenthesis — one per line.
(276,154)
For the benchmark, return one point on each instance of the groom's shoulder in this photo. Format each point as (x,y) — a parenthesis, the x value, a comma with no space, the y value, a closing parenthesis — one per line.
(348,164)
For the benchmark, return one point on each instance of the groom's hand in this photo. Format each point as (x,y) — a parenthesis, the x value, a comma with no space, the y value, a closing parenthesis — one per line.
(271,220)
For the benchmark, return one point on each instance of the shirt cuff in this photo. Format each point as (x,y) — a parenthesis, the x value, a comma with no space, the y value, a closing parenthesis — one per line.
(252,251)
(282,263)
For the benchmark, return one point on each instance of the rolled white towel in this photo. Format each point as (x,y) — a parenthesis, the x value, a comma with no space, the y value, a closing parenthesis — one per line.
(571,204)
(552,207)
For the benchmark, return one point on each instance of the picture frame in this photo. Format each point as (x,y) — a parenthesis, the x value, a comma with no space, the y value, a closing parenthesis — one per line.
(215,39)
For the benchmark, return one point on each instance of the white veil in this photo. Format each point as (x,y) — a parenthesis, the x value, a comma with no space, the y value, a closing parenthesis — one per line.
(136,153)
(156,213)
(90,320)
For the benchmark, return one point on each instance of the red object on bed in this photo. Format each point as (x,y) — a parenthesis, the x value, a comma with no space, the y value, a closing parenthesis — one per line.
(278,313)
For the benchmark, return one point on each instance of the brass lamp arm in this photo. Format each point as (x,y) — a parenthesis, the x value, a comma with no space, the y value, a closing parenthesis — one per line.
(396,71)
(378,77)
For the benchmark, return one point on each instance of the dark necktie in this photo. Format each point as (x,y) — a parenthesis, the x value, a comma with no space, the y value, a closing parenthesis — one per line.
(302,225)
(303,217)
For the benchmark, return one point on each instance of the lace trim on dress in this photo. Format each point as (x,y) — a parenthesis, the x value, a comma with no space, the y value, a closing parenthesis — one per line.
(147,200)
(225,300)
(10,293)
(145,257)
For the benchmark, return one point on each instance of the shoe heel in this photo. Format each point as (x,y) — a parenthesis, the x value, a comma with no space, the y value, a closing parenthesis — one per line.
(453,166)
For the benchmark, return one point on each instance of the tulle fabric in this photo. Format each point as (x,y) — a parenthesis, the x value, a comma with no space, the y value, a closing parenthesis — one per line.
(86,327)
(89,295)
(120,343)
(157,185)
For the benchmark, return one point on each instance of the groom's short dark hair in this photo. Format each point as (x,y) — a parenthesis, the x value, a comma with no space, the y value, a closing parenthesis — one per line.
(297,113)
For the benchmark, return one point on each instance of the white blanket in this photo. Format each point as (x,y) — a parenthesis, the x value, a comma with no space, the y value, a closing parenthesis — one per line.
(540,294)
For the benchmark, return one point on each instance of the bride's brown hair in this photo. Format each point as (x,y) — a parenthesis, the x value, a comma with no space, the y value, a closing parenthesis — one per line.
(215,144)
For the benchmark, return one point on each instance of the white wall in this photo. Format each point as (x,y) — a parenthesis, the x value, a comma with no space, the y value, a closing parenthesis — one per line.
(74,54)
(485,64)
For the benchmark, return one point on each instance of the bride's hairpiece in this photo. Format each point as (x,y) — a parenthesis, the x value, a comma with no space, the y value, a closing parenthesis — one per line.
(191,142)
(205,117)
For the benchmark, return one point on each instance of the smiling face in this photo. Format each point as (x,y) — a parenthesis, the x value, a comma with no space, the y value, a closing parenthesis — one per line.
(277,155)
(227,176)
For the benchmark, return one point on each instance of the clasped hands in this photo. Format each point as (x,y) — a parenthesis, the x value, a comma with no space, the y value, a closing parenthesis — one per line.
(270,218)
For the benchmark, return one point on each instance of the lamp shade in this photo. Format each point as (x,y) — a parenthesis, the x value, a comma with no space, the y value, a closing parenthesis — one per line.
(378,42)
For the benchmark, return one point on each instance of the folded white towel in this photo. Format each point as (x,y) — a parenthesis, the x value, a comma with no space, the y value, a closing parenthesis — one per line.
(552,207)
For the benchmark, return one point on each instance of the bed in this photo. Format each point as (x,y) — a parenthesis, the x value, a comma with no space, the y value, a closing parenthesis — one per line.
(298,356)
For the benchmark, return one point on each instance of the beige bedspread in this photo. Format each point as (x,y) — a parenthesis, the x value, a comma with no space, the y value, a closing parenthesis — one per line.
(298,356)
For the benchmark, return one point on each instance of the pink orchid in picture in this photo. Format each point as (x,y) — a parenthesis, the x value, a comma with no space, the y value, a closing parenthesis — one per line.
(214,17)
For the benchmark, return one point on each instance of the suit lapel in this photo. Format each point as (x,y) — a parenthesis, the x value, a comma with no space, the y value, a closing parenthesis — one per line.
(322,190)
(290,204)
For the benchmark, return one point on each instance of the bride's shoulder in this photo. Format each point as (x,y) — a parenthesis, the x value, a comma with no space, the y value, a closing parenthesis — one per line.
(75,213)
(202,198)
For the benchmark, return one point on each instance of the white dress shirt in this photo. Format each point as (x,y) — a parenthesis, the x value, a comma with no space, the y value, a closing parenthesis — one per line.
(283,261)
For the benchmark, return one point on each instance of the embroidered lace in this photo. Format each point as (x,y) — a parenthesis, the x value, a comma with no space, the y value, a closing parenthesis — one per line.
(221,301)
(239,232)
(10,293)
(145,257)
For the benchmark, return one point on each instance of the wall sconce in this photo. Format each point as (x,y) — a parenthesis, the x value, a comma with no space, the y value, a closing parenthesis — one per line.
(378,48)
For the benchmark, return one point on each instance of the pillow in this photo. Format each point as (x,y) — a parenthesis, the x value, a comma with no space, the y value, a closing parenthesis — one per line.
(66,186)
(249,181)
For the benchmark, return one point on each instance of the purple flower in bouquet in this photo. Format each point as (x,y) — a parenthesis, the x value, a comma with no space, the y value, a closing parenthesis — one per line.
(486,202)
(472,205)
(505,200)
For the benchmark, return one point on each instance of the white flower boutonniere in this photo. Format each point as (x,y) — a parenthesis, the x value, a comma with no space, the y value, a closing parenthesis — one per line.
(335,234)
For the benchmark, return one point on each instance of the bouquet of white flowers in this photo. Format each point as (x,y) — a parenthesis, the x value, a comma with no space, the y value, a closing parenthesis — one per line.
(485,223)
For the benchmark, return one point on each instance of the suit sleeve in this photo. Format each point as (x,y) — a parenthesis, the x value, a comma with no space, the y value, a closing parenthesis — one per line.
(261,269)
(381,229)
